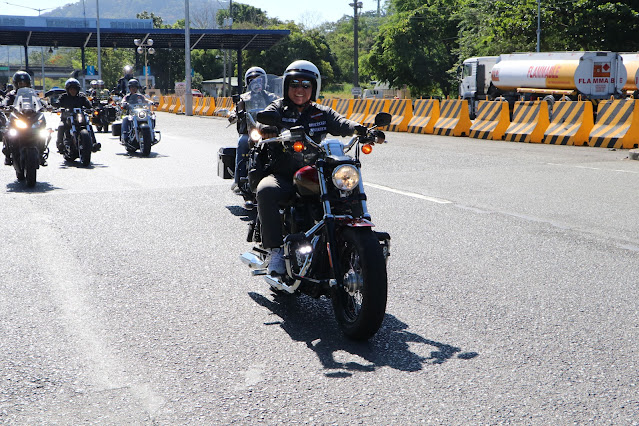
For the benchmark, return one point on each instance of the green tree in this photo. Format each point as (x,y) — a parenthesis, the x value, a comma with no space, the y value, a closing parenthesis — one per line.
(415,47)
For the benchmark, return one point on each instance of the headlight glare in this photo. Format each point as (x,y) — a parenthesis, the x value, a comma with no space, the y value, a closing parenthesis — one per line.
(142,115)
(21,124)
(255,135)
(346,177)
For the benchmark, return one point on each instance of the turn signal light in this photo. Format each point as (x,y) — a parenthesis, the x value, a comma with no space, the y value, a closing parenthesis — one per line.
(298,146)
(367,148)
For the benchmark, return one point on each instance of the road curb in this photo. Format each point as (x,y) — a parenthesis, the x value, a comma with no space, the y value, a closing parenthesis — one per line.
(633,154)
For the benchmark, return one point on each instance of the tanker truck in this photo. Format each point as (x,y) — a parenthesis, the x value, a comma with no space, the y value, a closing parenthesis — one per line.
(631,62)
(543,75)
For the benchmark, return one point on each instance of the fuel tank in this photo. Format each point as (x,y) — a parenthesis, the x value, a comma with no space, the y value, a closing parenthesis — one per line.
(307,181)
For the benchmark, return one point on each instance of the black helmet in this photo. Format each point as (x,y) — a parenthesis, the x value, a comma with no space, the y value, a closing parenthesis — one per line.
(21,79)
(9,87)
(134,83)
(72,82)
(303,70)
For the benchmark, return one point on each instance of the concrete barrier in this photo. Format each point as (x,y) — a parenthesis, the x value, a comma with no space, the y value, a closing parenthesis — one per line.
(175,106)
(209,107)
(493,118)
(454,119)
(425,115)
(225,106)
(344,107)
(169,101)
(376,105)
(198,104)
(617,125)
(401,111)
(530,121)
(360,110)
(571,123)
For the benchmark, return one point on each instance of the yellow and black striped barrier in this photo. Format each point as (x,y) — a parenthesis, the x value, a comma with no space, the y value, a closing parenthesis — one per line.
(360,110)
(571,123)
(344,107)
(453,118)
(617,124)
(425,115)
(530,121)
(401,111)
(493,118)
(377,105)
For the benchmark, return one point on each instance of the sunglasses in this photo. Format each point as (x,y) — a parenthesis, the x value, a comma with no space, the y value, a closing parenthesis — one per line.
(305,84)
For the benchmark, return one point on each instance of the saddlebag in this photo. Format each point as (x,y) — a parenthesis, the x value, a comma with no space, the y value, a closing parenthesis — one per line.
(226,162)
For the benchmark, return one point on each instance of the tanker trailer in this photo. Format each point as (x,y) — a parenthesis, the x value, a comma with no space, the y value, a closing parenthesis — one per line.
(631,62)
(556,75)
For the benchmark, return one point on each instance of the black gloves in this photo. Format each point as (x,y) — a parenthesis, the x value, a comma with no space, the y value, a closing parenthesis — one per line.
(361,130)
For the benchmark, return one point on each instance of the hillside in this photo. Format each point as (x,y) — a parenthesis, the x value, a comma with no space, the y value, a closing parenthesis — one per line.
(202,12)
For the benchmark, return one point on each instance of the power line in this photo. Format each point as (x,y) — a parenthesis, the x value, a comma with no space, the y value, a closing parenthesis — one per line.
(27,7)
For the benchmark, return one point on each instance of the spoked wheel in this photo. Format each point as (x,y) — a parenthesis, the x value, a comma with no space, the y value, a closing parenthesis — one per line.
(85,148)
(360,305)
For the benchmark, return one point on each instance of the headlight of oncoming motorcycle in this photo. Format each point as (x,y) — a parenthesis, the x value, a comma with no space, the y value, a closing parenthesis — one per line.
(255,135)
(79,118)
(44,133)
(142,115)
(21,124)
(345,177)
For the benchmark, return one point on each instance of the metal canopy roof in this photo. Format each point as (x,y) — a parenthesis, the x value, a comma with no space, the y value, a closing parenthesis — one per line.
(123,38)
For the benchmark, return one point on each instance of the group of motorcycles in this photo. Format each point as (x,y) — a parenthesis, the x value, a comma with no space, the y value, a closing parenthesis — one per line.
(26,137)
(330,247)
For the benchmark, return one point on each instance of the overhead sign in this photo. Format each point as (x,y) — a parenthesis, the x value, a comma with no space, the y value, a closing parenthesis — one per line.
(90,70)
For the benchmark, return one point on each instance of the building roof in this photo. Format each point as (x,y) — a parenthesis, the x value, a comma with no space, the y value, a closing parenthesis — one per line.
(123,38)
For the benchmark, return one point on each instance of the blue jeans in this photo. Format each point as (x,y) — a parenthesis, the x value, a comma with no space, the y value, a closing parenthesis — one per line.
(124,134)
(241,158)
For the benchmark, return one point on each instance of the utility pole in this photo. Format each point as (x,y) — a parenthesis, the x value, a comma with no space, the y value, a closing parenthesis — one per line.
(538,24)
(355,5)
(97,24)
(188,96)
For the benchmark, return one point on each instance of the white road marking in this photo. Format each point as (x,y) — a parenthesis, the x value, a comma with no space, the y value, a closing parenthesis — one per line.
(409,194)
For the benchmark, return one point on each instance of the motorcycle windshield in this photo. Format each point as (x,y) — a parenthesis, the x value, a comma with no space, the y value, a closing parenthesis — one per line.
(27,99)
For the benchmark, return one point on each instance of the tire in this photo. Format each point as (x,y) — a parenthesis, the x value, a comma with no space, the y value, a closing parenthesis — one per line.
(361,311)
(31,166)
(85,147)
(147,141)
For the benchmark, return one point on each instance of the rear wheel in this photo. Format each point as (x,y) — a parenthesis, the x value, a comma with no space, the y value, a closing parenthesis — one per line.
(147,141)
(360,304)
(85,147)
(31,167)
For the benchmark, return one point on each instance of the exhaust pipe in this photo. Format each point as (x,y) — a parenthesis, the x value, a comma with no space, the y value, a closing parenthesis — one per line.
(252,260)
(275,282)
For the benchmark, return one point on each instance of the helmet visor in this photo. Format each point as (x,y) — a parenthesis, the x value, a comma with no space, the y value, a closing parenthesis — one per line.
(256,84)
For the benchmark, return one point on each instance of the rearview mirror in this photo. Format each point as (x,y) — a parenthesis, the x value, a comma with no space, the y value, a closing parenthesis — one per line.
(383,119)
(236,98)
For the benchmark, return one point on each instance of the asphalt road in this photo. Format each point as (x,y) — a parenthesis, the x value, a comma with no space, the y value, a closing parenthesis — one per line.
(513,288)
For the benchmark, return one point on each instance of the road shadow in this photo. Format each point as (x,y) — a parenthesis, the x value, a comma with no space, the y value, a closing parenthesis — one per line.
(138,154)
(312,321)
(244,214)
(78,165)
(39,188)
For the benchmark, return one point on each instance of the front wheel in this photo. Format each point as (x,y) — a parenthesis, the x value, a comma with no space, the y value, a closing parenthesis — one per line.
(85,147)
(360,304)
(147,141)
(31,166)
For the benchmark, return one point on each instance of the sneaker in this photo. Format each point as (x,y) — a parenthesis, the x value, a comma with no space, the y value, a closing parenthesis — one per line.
(96,147)
(235,188)
(276,263)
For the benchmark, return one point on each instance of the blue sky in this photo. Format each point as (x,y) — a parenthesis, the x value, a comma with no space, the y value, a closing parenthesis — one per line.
(305,12)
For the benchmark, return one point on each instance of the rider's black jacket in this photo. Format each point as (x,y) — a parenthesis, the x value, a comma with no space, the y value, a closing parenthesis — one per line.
(317,120)
(69,102)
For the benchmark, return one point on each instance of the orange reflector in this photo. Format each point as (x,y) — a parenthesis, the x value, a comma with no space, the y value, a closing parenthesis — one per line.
(298,146)
(367,148)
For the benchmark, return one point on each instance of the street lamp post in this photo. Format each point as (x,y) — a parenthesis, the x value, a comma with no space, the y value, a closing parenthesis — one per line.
(144,47)
(355,5)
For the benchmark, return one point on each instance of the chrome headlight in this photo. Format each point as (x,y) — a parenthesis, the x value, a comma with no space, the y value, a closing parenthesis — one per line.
(79,118)
(346,177)
(142,114)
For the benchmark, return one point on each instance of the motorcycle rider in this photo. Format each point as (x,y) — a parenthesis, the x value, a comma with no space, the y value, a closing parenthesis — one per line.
(301,83)
(20,79)
(124,81)
(127,102)
(93,89)
(73,98)
(102,94)
(255,80)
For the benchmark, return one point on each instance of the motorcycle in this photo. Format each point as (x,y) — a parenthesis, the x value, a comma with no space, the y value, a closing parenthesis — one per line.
(330,248)
(79,140)
(142,134)
(104,114)
(246,114)
(26,136)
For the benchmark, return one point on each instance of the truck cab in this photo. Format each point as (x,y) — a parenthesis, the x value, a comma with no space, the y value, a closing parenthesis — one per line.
(475,80)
